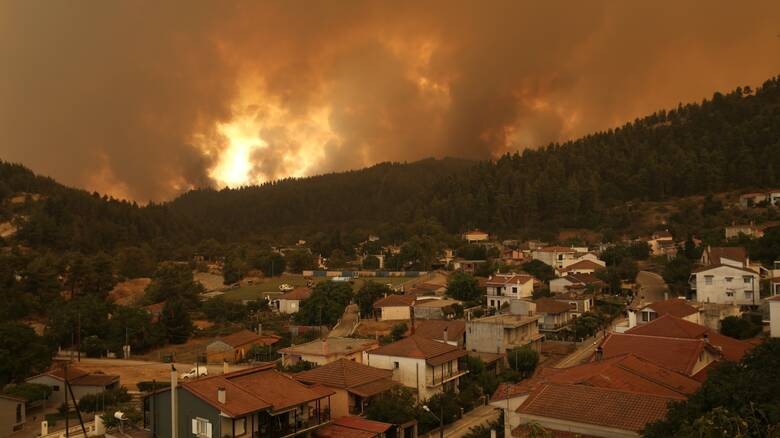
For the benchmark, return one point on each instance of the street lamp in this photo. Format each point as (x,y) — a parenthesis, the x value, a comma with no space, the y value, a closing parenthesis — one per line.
(439,417)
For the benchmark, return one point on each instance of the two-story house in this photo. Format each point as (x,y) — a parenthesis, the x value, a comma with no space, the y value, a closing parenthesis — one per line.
(499,333)
(555,315)
(726,284)
(254,402)
(678,307)
(327,350)
(579,303)
(503,288)
(428,367)
(555,256)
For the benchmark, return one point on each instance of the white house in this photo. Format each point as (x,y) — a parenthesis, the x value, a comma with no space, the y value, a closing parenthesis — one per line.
(659,242)
(428,367)
(555,256)
(503,288)
(475,236)
(290,302)
(675,307)
(394,307)
(774,316)
(725,284)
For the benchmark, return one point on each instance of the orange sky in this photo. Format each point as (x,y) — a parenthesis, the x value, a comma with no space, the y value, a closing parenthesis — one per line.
(145,100)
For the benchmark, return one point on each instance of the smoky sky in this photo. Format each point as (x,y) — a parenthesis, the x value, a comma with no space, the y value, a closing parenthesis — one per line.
(143,99)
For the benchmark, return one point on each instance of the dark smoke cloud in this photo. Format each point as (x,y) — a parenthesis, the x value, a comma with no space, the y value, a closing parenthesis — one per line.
(129,97)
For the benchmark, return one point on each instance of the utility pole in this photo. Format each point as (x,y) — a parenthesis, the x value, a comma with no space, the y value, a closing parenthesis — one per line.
(78,336)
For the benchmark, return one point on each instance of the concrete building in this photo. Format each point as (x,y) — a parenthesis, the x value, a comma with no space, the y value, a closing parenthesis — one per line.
(556,256)
(499,333)
(354,385)
(327,350)
(676,307)
(290,302)
(503,288)
(12,414)
(726,284)
(555,315)
(81,382)
(774,316)
(427,366)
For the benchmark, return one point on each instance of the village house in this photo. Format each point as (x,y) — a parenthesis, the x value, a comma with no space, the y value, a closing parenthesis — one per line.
(435,308)
(236,347)
(774,278)
(725,284)
(359,427)
(580,267)
(290,302)
(556,256)
(503,288)
(12,414)
(81,382)
(774,316)
(752,199)
(685,356)
(353,384)
(427,366)
(751,231)
(327,350)
(256,402)
(676,307)
(579,303)
(499,333)
(660,242)
(612,397)
(469,266)
(725,255)
(427,289)
(449,331)
(670,326)
(394,307)
(555,315)
(576,281)
(475,236)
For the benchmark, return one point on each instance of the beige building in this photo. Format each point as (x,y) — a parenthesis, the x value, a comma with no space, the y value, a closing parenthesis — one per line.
(503,288)
(428,367)
(12,414)
(394,307)
(499,333)
(327,350)
(290,302)
(774,316)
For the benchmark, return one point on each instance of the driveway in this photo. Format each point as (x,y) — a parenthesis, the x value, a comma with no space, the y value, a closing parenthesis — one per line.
(651,286)
(346,324)
(476,417)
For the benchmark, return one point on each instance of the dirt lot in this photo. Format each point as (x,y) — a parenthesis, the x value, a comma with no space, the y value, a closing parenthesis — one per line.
(369,328)
(128,292)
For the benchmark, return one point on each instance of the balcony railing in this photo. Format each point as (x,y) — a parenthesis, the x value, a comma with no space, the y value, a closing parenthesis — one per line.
(444,378)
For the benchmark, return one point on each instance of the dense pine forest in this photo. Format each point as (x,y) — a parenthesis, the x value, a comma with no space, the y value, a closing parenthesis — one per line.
(728,142)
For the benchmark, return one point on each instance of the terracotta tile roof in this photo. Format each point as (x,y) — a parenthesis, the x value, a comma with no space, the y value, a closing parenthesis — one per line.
(503,280)
(336,346)
(675,307)
(669,326)
(353,427)
(254,389)
(419,347)
(243,337)
(80,377)
(512,390)
(435,303)
(583,264)
(554,248)
(336,431)
(523,431)
(395,300)
(737,253)
(549,305)
(434,329)
(623,410)
(373,388)
(776,297)
(677,354)
(299,293)
(343,373)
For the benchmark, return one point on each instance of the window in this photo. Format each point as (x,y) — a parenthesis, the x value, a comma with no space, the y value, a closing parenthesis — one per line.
(747,279)
(748,294)
(55,388)
(514,290)
(395,365)
(708,279)
(728,279)
(729,293)
(240,426)
(201,427)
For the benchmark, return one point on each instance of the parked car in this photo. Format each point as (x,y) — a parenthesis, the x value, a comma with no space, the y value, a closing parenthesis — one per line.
(195,372)
(285,287)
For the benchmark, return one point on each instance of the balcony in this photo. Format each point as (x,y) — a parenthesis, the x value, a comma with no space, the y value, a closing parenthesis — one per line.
(446,377)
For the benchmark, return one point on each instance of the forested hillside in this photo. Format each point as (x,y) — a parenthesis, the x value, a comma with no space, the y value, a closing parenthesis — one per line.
(729,142)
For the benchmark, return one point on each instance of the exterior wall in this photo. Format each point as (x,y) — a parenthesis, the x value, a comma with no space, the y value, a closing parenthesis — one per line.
(8,410)
(393,313)
(558,285)
(705,359)
(289,306)
(587,256)
(339,403)
(577,428)
(508,292)
(190,407)
(58,388)
(716,288)
(511,417)
(425,312)
(554,321)
(774,319)
(410,372)
(484,338)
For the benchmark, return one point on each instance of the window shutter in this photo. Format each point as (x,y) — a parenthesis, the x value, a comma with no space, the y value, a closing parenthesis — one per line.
(208,430)
(194,426)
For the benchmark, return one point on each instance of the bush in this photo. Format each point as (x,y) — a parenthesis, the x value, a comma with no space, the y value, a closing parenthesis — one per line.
(29,391)
(523,360)
(737,327)
(106,399)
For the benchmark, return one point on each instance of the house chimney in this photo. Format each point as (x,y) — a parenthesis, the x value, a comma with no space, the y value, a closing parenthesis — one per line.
(260,329)
(411,329)
(221,395)
(325,350)
(444,336)
(224,366)
(599,353)
(666,295)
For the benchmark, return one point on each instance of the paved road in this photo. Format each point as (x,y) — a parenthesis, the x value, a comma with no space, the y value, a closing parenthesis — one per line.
(586,350)
(346,325)
(651,286)
(480,415)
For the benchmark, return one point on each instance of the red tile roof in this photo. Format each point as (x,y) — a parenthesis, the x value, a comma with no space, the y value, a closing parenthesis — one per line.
(736,253)
(677,354)
(718,265)
(776,297)
(583,264)
(254,389)
(619,409)
(556,249)
(549,305)
(244,337)
(669,326)
(299,294)
(395,301)
(502,280)
(80,377)
(675,307)
(343,373)
(419,347)
(434,329)
(353,427)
